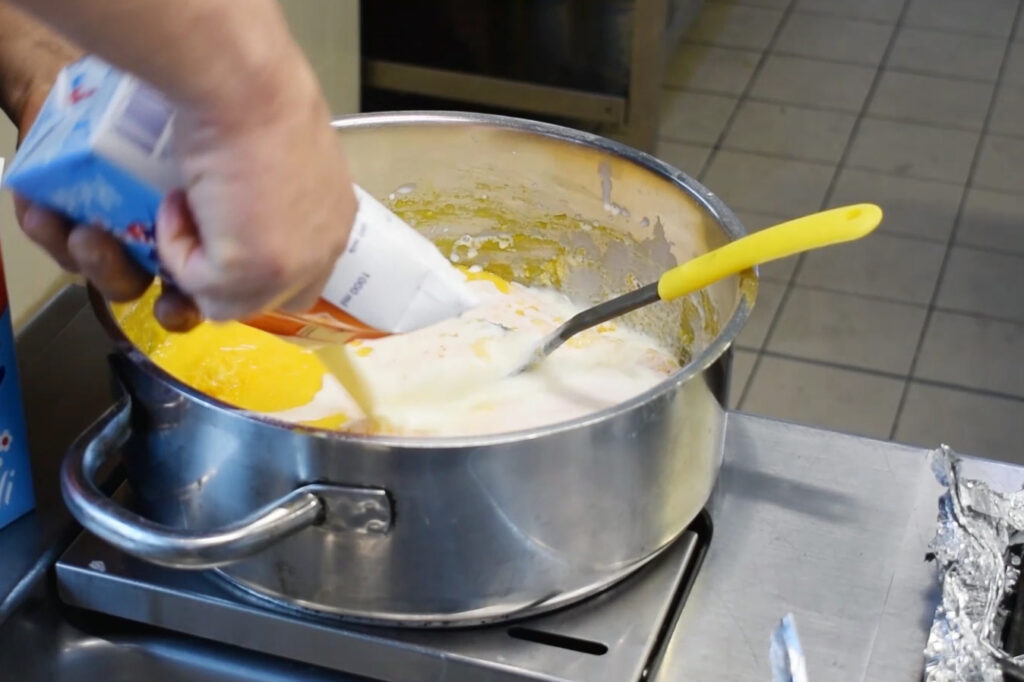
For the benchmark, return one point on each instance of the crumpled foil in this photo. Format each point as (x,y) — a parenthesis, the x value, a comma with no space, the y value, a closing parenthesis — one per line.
(786,653)
(977,527)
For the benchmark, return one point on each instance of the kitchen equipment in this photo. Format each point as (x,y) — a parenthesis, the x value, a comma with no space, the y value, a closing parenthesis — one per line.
(459,530)
(828,526)
(107,159)
(785,239)
(594,62)
(581,644)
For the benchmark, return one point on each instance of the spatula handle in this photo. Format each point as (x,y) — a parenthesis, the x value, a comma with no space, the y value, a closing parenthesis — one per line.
(795,236)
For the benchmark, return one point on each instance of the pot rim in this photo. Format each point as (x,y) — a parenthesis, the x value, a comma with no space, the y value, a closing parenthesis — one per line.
(702,361)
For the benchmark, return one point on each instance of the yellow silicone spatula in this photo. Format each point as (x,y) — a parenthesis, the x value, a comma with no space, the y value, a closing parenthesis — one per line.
(834,226)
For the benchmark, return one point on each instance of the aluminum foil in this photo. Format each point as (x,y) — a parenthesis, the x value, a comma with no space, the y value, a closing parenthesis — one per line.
(786,653)
(977,528)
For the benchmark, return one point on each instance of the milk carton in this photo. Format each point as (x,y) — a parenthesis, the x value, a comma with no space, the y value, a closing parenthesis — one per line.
(102,153)
(15,482)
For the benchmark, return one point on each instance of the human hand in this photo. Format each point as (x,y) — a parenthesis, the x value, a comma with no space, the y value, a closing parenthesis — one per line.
(31,55)
(257,225)
(96,255)
(268,202)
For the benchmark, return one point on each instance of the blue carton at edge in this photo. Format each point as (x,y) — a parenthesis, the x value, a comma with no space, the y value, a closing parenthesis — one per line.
(16,496)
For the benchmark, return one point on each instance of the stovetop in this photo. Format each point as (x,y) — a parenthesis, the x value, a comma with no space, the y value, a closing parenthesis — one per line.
(618,635)
(831,527)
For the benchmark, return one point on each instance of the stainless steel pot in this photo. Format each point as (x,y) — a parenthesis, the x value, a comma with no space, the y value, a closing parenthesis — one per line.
(459,530)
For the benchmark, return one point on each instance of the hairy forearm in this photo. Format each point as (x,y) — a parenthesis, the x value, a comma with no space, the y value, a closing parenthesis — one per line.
(224,58)
(30,57)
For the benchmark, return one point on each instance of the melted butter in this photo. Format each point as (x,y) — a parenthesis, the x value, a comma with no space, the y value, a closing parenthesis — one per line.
(499,283)
(233,362)
(334,422)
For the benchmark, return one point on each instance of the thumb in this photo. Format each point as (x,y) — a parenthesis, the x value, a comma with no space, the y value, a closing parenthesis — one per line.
(177,241)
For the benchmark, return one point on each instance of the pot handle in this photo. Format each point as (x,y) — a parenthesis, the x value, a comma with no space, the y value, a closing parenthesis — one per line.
(361,510)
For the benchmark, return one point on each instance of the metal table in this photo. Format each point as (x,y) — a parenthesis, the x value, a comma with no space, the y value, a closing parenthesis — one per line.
(831,527)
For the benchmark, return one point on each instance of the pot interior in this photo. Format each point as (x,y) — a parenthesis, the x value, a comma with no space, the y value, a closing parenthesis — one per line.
(549,206)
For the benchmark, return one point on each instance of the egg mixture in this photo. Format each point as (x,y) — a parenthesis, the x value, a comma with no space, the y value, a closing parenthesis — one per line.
(454,378)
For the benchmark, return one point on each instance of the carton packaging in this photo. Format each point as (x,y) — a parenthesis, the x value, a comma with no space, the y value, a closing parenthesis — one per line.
(16,496)
(102,153)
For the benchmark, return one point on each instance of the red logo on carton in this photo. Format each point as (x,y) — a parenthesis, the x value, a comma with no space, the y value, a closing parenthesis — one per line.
(79,93)
(140,233)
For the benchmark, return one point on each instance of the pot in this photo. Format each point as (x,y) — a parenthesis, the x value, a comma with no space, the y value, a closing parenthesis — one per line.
(448,531)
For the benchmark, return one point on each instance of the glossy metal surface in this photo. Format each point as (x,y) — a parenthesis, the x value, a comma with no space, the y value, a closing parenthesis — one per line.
(582,644)
(831,527)
(593,316)
(490,527)
(335,508)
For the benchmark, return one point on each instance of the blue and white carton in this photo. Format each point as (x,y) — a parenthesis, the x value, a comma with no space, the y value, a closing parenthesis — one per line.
(16,497)
(101,153)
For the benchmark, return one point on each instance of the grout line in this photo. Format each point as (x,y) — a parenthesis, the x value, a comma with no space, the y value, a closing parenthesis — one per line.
(880,373)
(958,78)
(744,94)
(959,184)
(974,314)
(920,122)
(687,89)
(975,161)
(833,182)
(868,20)
(823,58)
(1016,137)
(872,20)
(900,24)
(981,248)
(746,90)
(983,392)
(988,249)
(883,228)
(716,146)
(909,70)
(877,298)
(729,147)
(838,15)
(781,53)
(790,157)
(697,42)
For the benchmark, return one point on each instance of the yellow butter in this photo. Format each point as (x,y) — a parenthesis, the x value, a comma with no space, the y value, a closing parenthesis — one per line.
(333,422)
(500,283)
(232,362)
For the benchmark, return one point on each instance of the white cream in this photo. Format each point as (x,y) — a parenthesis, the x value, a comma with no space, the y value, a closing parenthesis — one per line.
(456,378)
(330,400)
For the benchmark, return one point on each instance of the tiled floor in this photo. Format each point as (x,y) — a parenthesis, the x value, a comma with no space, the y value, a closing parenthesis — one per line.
(785,107)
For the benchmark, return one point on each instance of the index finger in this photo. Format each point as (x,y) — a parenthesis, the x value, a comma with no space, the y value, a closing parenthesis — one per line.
(101,258)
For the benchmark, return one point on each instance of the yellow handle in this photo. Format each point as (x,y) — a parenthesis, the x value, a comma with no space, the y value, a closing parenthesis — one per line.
(795,236)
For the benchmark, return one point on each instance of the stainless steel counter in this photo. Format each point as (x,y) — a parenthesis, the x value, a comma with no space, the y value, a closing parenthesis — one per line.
(830,527)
